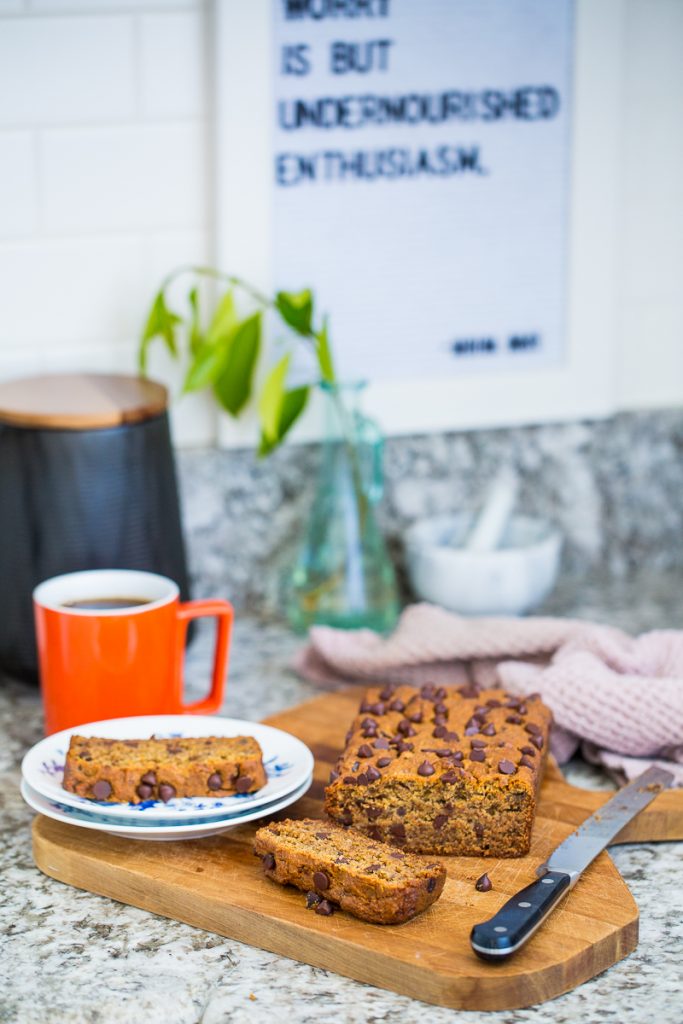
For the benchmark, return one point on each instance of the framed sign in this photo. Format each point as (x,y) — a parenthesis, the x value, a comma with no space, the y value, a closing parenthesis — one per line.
(439,172)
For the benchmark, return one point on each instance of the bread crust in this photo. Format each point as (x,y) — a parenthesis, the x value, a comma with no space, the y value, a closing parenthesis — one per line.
(358,874)
(441,770)
(134,771)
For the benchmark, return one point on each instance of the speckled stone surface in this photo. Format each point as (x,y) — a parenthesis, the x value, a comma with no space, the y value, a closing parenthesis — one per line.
(613,486)
(68,956)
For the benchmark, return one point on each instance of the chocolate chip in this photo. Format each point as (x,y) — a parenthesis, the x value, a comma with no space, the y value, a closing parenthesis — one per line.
(268,861)
(349,780)
(244,783)
(365,750)
(322,835)
(320,880)
(144,792)
(527,762)
(167,791)
(431,884)
(493,703)
(312,900)
(440,693)
(372,774)
(489,730)
(414,716)
(402,747)
(362,779)
(377,709)
(451,736)
(102,789)
(506,768)
(481,710)
(372,868)
(537,741)
(215,781)
(334,775)
(450,777)
(478,830)
(373,813)
(375,833)
(381,744)
(369,734)
(405,728)
(440,709)
(483,884)
(365,706)
(522,708)
(471,730)
(511,702)
(387,692)
(368,723)
(346,818)
(440,719)
(398,831)
(397,705)
(401,811)
(532,728)
(446,752)
(458,755)
(478,743)
(355,766)
(440,820)
(469,691)
(427,691)
(325,908)
(473,723)
(514,720)
(528,750)
(477,754)
(439,732)
(397,855)
(426,769)
(149,779)
(382,762)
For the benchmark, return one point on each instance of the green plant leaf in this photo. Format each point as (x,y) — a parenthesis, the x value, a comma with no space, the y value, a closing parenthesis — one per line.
(293,404)
(296,309)
(196,338)
(205,367)
(272,397)
(324,354)
(232,385)
(224,320)
(161,322)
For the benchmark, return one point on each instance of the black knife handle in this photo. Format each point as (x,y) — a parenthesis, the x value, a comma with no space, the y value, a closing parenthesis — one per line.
(519,918)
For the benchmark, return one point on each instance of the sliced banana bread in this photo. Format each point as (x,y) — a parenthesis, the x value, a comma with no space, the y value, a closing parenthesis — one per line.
(132,771)
(343,867)
(443,771)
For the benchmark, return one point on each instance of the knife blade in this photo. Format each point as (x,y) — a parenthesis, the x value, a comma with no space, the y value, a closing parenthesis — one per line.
(517,920)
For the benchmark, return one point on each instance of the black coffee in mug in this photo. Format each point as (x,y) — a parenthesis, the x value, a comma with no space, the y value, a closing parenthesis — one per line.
(107,604)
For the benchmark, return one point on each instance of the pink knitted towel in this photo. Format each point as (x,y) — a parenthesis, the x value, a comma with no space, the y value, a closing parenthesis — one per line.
(619,698)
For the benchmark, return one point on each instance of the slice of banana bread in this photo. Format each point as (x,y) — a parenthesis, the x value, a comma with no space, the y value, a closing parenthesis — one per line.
(132,771)
(443,771)
(362,876)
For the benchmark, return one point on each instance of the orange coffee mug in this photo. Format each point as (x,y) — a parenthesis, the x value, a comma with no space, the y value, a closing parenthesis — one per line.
(111,644)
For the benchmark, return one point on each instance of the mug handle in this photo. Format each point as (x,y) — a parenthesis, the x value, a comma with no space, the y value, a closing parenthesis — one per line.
(223,611)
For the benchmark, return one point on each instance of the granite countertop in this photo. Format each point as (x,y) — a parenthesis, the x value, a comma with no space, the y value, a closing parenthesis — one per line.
(71,956)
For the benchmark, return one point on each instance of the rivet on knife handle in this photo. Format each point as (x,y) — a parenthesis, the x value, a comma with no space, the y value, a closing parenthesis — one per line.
(519,918)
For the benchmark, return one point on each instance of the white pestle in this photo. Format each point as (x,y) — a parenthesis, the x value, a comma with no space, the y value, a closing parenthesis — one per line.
(492,521)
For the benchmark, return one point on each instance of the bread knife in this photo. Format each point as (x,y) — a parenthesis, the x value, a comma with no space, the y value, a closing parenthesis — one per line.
(517,920)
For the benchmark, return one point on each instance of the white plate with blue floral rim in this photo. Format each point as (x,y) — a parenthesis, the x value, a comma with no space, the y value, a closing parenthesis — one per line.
(152,830)
(288,763)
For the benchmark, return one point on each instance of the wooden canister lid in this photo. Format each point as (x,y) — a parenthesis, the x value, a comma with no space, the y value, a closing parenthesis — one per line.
(80,401)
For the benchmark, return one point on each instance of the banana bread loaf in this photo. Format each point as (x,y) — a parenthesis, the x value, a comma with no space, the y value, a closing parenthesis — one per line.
(443,771)
(337,865)
(132,771)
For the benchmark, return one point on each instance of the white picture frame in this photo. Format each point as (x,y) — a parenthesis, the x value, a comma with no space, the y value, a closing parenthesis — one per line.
(584,385)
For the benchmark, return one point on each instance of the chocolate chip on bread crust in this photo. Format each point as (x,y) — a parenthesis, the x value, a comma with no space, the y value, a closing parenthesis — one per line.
(337,866)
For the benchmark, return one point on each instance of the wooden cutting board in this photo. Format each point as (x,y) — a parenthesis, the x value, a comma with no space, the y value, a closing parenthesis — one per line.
(217,884)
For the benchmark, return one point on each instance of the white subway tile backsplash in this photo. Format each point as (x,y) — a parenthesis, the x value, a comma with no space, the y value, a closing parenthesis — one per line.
(18,194)
(11,7)
(109,6)
(173,64)
(125,178)
(57,293)
(66,70)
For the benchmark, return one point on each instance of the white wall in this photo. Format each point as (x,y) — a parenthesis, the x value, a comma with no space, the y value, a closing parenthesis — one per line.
(105,184)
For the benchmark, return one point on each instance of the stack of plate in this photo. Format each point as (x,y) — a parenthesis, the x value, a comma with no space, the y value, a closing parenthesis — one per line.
(288,763)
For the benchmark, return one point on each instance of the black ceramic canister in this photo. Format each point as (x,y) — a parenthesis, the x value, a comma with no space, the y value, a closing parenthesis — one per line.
(87,481)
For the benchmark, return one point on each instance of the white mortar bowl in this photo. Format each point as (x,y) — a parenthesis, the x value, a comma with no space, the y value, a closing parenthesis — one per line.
(511,580)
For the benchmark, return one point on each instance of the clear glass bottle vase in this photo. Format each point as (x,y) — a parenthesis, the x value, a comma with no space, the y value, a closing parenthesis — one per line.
(342,574)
